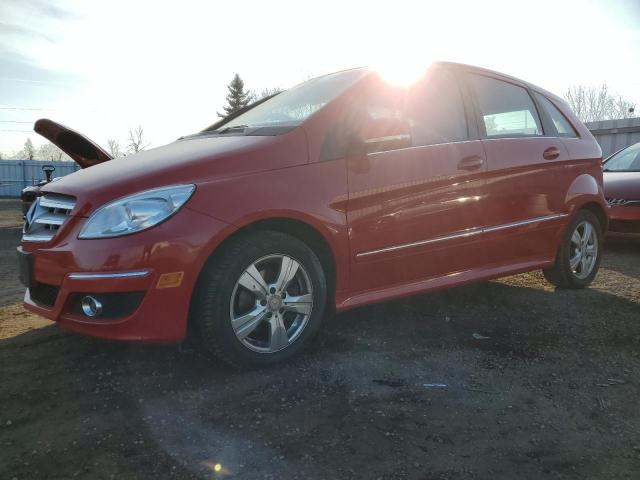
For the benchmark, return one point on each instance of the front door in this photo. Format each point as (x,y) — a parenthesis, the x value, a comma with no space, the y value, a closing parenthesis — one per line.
(415,200)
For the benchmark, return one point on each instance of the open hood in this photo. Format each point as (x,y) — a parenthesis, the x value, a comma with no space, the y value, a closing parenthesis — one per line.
(77,146)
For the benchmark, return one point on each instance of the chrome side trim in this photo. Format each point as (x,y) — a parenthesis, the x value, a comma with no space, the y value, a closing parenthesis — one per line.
(466,233)
(388,138)
(521,223)
(90,276)
(463,234)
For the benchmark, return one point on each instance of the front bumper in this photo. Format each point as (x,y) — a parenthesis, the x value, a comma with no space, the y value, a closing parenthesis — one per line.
(137,264)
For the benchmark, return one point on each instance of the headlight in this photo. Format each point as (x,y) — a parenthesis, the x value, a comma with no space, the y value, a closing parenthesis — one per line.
(136,212)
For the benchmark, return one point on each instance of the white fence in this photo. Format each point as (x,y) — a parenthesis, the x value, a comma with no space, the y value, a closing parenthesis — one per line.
(17,174)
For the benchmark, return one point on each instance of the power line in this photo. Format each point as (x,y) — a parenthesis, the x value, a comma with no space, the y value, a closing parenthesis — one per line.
(15,130)
(26,108)
(25,80)
(34,109)
(13,121)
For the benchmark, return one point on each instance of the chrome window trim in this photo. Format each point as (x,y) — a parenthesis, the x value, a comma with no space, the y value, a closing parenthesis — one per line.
(465,233)
(89,276)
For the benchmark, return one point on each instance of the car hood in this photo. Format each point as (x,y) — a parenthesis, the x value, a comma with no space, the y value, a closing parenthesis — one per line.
(622,185)
(85,152)
(194,160)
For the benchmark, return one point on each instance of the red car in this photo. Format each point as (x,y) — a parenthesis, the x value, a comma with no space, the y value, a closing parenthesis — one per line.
(340,192)
(622,189)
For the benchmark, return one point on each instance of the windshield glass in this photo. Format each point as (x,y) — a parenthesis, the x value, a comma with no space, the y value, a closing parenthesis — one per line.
(628,160)
(293,106)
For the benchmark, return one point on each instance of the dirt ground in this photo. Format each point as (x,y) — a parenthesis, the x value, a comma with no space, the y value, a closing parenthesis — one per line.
(400,390)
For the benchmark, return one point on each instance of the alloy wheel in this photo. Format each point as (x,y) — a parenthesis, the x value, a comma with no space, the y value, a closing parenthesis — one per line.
(583,251)
(271,303)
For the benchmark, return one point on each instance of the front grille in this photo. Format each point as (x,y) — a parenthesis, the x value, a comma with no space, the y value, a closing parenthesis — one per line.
(44,294)
(45,217)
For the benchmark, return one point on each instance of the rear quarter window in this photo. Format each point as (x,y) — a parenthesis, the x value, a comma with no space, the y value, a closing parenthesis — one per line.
(563,126)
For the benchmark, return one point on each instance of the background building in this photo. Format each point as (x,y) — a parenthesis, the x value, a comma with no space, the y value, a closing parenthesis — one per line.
(613,135)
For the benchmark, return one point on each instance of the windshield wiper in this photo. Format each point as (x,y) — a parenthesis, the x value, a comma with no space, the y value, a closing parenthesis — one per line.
(231,129)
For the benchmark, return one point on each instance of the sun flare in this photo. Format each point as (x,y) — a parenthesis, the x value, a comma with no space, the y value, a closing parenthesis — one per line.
(401,73)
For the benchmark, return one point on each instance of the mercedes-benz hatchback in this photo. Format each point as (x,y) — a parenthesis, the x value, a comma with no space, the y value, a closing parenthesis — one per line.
(340,192)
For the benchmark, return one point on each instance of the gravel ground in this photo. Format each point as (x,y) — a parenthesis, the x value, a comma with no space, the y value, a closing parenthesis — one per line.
(502,380)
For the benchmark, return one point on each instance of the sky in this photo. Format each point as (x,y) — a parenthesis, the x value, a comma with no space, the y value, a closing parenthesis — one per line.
(104,67)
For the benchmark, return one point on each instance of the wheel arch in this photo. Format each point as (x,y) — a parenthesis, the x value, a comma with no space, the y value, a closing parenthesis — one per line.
(586,192)
(598,210)
(296,227)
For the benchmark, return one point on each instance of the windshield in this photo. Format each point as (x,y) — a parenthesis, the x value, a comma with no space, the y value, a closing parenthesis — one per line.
(627,160)
(293,106)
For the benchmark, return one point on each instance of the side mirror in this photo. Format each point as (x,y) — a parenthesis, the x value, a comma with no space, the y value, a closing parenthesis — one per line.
(48,171)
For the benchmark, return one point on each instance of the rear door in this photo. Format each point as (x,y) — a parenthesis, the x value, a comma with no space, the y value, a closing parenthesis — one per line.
(526,174)
(415,200)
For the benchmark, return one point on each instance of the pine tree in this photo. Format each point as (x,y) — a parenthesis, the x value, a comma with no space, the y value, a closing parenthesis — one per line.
(237,98)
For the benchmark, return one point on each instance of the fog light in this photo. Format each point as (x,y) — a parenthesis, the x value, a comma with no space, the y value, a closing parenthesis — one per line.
(91,306)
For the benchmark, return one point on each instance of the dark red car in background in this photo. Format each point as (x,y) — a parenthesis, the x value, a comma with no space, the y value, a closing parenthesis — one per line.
(622,190)
(342,191)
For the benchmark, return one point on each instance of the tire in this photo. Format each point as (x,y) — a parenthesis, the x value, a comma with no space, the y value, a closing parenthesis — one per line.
(234,315)
(564,273)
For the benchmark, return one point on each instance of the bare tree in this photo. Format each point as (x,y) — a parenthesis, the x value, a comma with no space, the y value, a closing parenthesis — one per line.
(265,92)
(28,151)
(592,104)
(114,147)
(49,151)
(137,141)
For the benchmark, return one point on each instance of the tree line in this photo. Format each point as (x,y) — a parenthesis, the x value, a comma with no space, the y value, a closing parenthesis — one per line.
(588,103)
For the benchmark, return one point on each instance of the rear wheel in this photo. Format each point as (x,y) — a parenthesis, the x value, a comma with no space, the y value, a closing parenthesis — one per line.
(578,258)
(260,301)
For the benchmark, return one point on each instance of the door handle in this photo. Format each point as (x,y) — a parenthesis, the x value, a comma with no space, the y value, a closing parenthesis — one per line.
(551,153)
(472,162)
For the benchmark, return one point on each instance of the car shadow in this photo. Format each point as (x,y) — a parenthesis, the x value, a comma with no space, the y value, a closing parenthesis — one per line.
(621,253)
(462,355)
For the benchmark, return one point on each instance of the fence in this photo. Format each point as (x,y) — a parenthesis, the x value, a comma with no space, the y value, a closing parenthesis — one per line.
(17,174)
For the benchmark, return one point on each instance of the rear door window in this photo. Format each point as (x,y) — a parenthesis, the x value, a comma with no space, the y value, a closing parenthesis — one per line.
(436,110)
(563,127)
(506,110)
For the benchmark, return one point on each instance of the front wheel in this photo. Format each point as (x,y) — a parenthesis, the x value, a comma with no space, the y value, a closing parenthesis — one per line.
(578,258)
(260,300)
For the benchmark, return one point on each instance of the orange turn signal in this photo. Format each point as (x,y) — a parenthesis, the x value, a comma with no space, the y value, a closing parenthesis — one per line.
(170,280)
